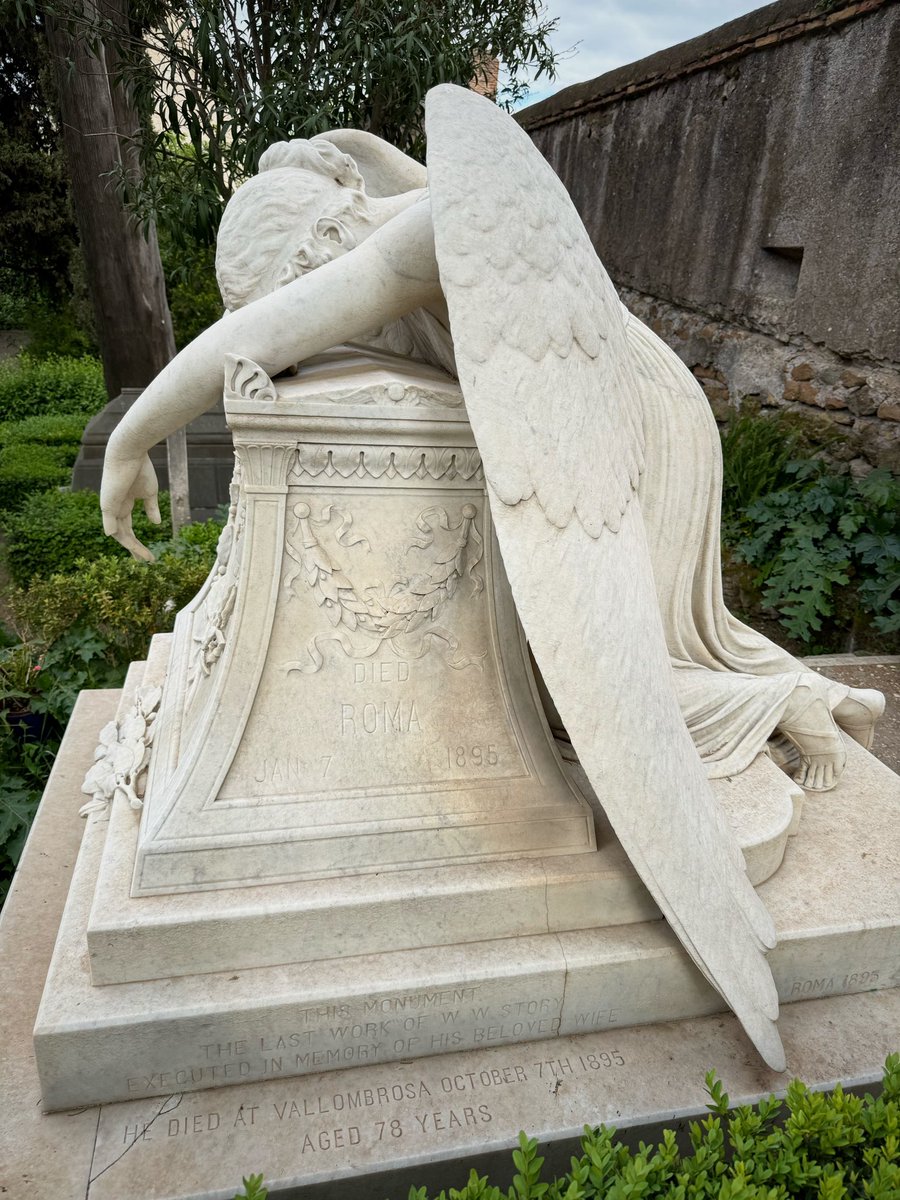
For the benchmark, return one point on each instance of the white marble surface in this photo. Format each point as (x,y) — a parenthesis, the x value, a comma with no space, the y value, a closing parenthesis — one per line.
(330,1136)
(154,937)
(152,1038)
(350,692)
(602,467)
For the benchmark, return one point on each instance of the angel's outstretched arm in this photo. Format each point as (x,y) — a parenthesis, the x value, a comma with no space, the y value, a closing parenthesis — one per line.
(388,275)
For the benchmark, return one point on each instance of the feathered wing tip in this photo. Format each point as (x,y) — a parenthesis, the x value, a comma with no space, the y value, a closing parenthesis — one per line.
(555,406)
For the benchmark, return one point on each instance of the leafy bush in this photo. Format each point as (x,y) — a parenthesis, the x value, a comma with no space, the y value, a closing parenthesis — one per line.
(122,601)
(17,295)
(31,387)
(827,551)
(814,1145)
(51,531)
(194,299)
(57,330)
(755,452)
(31,468)
(79,631)
(50,429)
(48,680)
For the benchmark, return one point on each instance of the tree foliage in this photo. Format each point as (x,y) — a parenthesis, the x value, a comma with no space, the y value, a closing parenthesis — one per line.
(223,81)
(37,233)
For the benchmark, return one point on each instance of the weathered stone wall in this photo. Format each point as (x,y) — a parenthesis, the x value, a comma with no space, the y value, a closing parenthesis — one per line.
(743,190)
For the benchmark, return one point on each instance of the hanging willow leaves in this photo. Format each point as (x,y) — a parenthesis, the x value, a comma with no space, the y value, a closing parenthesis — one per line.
(219,81)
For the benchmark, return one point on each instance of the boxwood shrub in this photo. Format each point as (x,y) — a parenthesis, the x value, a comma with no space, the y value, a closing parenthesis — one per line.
(33,387)
(51,531)
(121,601)
(49,429)
(811,1145)
(31,468)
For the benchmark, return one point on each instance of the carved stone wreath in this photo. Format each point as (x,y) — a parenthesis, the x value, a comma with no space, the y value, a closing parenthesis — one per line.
(402,614)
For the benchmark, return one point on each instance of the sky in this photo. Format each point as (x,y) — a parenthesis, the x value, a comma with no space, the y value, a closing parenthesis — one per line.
(610,33)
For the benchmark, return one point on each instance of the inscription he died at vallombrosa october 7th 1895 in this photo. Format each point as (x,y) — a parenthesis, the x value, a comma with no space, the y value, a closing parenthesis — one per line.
(334,1120)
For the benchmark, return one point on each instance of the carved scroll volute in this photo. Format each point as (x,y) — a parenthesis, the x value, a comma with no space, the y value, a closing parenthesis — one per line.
(264,464)
(245,380)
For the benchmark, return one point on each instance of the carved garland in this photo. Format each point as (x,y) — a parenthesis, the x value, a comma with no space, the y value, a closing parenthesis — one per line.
(122,756)
(218,604)
(395,615)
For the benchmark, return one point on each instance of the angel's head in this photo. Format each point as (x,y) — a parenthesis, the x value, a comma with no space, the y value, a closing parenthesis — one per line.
(307,205)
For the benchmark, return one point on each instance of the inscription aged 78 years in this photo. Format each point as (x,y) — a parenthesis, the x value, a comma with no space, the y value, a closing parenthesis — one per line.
(333,1120)
(380,1029)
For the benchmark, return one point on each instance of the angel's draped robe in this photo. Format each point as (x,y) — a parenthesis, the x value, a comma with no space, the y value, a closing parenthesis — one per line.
(732,683)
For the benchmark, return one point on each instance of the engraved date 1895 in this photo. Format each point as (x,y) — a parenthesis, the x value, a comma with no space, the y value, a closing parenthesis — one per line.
(473,756)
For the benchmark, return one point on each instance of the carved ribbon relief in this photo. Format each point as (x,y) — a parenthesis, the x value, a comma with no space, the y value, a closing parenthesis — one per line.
(401,614)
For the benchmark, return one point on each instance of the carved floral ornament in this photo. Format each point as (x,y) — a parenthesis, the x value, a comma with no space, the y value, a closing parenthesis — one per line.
(401,614)
(218,604)
(122,756)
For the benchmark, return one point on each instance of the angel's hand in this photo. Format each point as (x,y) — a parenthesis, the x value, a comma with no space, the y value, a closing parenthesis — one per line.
(126,478)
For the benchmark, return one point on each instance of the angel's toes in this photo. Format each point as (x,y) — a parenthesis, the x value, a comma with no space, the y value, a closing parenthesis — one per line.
(819,772)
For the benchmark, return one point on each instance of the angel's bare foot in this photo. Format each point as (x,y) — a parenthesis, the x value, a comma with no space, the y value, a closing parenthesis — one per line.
(858,713)
(808,724)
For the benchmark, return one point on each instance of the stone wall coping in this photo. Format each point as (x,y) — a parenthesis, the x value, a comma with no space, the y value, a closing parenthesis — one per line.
(757,30)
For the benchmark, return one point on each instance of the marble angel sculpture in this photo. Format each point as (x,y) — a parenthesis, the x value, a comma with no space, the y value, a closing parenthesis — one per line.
(603,470)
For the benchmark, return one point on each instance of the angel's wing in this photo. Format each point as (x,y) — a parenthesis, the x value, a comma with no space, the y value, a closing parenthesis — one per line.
(545,369)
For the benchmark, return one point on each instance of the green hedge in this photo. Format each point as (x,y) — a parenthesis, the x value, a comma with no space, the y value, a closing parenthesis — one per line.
(32,387)
(78,631)
(812,1145)
(49,429)
(121,601)
(51,531)
(32,468)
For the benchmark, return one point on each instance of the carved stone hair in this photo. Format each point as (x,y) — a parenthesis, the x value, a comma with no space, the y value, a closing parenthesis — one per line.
(270,231)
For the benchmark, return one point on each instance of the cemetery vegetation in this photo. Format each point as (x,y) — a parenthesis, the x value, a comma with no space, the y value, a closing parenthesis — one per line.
(811,1145)
(75,608)
(819,547)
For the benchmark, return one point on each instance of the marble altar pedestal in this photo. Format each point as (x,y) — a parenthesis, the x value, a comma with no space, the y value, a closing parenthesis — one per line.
(330,824)
(369,1132)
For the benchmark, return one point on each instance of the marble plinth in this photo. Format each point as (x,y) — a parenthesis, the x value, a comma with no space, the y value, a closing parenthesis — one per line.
(350,691)
(369,1132)
(834,900)
(141,938)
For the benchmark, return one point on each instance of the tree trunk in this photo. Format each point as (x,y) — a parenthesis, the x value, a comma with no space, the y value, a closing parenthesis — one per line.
(124,272)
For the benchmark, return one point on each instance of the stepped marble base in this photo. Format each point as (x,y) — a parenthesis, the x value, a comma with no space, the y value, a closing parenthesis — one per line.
(834,900)
(332,1137)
